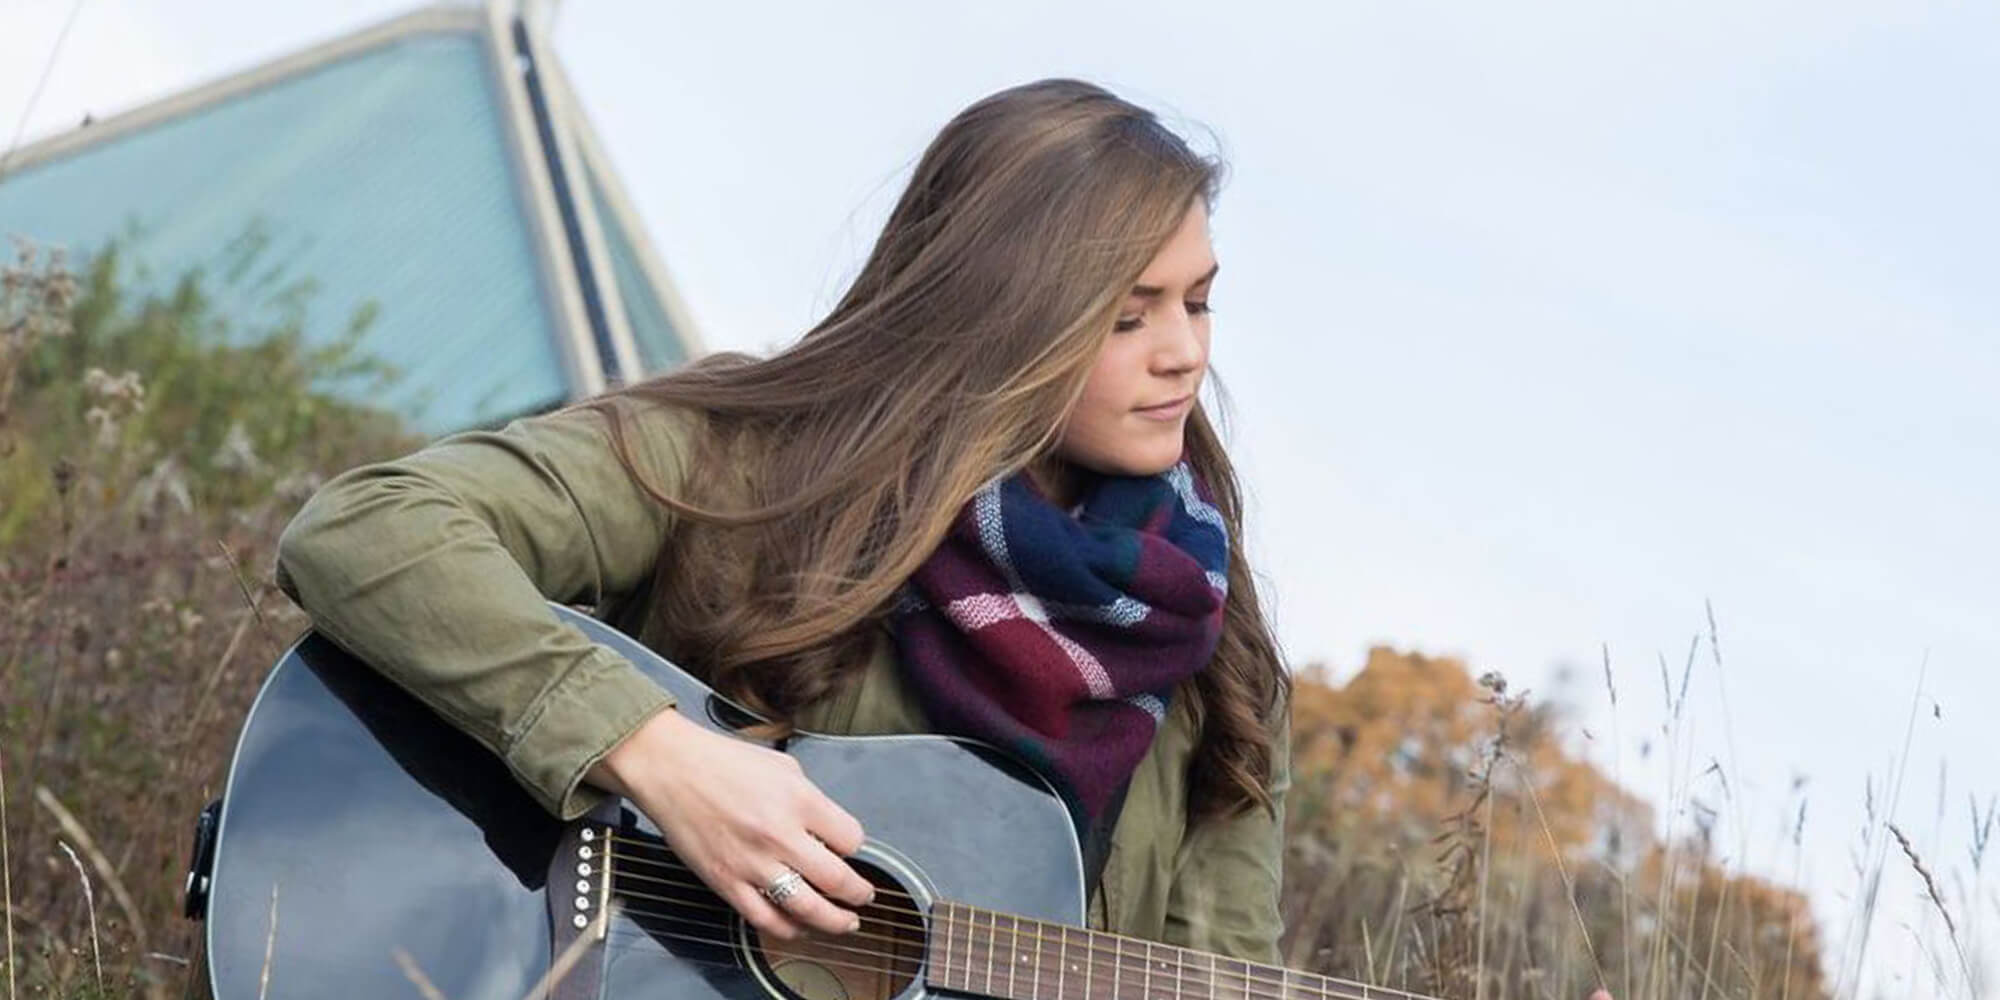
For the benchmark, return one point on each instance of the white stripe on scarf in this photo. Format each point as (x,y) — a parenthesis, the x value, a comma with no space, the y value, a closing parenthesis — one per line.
(993,537)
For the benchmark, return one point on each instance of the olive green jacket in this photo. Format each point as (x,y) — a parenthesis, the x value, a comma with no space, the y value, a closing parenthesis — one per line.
(435,567)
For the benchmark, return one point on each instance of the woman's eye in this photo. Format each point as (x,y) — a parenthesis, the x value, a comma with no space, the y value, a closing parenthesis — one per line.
(1193,308)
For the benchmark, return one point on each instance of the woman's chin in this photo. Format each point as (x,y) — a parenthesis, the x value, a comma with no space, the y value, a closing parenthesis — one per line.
(1146,462)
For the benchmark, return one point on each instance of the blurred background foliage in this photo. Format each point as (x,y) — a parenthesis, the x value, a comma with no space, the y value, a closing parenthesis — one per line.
(149,454)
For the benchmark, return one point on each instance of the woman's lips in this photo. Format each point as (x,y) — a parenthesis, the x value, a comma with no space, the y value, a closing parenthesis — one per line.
(1167,411)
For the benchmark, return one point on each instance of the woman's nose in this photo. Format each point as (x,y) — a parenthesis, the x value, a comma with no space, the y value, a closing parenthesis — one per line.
(1181,345)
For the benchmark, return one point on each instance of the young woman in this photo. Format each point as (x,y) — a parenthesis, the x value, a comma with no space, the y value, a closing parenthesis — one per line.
(981,497)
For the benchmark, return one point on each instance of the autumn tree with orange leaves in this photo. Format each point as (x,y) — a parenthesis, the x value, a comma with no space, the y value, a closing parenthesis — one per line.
(1441,839)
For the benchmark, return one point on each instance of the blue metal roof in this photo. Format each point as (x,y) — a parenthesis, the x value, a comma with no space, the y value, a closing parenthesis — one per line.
(384,177)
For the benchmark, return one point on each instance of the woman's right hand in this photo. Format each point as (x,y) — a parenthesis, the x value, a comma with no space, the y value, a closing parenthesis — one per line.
(738,814)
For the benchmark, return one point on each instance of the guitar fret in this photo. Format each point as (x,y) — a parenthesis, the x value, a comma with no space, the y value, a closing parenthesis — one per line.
(1014,955)
(1089,962)
(1117,967)
(1064,968)
(970,933)
(1036,994)
(982,941)
(1062,959)
(993,918)
(1084,966)
(944,964)
(1146,991)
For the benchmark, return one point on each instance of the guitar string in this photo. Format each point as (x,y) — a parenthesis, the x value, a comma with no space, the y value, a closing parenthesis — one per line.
(1117,957)
(675,864)
(672,915)
(717,904)
(1094,974)
(1251,990)
(918,926)
(659,846)
(627,935)
(624,934)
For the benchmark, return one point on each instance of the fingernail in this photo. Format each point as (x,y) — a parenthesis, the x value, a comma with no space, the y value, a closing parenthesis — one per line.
(854,924)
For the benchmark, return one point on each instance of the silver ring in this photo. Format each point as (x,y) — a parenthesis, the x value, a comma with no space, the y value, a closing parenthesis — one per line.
(784,885)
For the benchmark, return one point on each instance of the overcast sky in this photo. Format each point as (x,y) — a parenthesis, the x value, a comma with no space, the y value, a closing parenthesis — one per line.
(1545,323)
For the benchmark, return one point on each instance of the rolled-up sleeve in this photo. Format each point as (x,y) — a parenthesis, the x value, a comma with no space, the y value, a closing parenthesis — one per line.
(436,568)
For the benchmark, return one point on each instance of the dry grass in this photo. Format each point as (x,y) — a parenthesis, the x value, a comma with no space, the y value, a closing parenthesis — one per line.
(1936,898)
(133,547)
(6,882)
(68,822)
(90,907)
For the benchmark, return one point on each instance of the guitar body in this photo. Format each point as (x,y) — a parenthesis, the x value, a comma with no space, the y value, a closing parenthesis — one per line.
(357,825)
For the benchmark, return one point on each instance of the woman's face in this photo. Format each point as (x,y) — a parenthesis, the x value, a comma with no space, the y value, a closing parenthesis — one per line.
(1136,404)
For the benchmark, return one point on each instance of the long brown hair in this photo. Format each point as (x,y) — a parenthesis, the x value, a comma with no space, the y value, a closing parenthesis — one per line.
(828,472)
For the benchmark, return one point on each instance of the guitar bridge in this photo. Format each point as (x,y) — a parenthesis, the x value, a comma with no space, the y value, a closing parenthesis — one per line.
(579,894)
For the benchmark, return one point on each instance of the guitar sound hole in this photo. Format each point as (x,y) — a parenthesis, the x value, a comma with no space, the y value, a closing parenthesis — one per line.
(880,961)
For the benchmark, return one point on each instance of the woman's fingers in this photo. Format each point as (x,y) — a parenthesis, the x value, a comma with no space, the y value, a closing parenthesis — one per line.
(835,827)
(829,874)
(761,913)
(806,906)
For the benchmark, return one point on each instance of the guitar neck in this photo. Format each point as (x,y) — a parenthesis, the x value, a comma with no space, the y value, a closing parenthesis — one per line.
(999,955)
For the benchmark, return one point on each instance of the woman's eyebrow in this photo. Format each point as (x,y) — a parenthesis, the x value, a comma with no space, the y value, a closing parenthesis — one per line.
(1155,291)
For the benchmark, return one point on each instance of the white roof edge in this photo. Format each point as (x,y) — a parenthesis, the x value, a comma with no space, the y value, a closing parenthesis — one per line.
(583,368)
(665,289)
(563,113)
(427,20)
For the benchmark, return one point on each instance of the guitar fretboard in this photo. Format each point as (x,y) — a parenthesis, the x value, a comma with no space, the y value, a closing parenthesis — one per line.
(1000,955)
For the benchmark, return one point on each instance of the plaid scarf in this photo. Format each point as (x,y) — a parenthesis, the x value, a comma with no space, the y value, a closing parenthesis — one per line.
(1060,636)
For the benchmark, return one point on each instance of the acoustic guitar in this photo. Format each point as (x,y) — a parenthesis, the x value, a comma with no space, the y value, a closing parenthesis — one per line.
(363,848)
